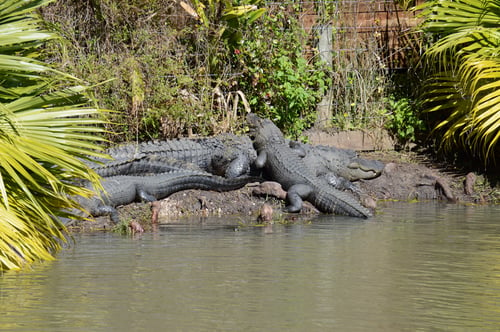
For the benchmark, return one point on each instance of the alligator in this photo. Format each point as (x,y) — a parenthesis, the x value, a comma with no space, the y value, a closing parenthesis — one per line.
(343,163)
(145,164)
(225,155)
(125,189)
(282,164)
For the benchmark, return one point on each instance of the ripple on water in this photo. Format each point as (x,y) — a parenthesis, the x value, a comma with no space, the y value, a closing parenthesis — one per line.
(423,266)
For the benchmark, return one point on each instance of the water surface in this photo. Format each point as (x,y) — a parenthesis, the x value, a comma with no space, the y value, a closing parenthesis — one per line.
(423,266)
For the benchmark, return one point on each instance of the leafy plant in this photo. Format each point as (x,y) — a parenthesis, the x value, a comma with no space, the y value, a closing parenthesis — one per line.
(211,13)
(281,84)
(463,84)
(403,121)
(46,130)
(161,74)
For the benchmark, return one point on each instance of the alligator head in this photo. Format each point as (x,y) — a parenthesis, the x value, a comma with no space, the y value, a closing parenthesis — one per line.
(342,162)
(263,131)
(360,168)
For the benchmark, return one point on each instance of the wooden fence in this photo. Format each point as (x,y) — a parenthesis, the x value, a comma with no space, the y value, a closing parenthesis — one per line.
(365,42)
(362,26)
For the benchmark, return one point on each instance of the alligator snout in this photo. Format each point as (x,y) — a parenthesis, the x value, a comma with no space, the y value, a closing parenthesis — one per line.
(365,168)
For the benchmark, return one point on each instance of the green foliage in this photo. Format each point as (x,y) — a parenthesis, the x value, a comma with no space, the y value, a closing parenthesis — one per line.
(403,122)
(114,46)
(463,66)
(167,80)
(176,68)
(122,227)
(222,18)
(281,83)
(163,77)
(45,130)
(217,31)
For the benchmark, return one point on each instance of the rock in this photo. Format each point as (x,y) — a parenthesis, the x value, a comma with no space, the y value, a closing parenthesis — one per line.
(470,180)
(265,213)
(390,167)
(155,208)
(368,202)
(135,227)
(447,192)
(269,188)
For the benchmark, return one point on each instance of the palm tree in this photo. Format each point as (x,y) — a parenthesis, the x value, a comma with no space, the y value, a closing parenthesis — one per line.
(464,85)
(46,130)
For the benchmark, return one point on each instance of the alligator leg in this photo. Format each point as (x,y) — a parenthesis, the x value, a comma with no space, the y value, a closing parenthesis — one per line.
(146,197)
(339,182)
(260,162)
(238,166)
(295,195)
(107,210)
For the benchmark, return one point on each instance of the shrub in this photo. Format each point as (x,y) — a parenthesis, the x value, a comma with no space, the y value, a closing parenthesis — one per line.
(280,82)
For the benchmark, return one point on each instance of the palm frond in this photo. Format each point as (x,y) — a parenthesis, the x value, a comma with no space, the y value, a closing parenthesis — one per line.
(46,129)
(464,72)
(449,16)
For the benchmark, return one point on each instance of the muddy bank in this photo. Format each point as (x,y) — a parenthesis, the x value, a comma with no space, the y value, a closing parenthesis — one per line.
(407,176)
(414,176)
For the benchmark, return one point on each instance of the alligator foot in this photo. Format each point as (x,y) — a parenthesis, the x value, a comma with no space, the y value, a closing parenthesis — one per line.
(107,210)
(294,196)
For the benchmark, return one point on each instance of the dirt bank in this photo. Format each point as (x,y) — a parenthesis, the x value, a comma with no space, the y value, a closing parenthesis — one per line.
(407,176)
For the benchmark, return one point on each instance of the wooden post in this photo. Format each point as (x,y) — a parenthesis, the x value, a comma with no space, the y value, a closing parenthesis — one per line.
(324,108)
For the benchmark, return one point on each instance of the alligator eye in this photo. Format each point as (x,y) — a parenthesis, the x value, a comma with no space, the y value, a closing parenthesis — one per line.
(354,165)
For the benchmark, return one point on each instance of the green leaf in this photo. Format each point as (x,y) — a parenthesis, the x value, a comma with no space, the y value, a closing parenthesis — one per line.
(464,71)
(45,130)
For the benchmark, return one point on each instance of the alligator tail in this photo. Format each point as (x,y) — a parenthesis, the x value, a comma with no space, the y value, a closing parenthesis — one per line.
(338,202)
(209,182)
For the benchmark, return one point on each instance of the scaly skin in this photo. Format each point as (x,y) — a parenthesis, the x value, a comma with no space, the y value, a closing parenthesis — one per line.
(226,155)
(341,162)
(143,165)
(122,190)
(187,150)
(284,165)
(236,158)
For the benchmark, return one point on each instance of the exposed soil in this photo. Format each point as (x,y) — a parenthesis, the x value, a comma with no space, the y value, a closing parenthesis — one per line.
(407,176)
(413,176)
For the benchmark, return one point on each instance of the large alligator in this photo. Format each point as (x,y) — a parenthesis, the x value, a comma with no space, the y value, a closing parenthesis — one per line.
(231,156)
(341,162)
(146,164)
(226,155)
(282,164)
(122,190)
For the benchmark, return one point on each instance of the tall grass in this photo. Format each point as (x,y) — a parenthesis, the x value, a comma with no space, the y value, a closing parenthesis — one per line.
(371,45)
(138,56)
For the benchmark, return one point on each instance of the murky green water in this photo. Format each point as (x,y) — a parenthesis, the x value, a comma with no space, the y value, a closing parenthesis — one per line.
(426,267)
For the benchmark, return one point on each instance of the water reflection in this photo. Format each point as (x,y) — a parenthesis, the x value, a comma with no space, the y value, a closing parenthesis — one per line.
(413,266)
